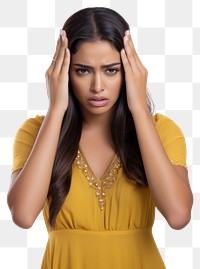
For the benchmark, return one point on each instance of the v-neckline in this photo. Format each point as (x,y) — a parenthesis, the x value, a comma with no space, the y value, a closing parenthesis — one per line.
(99,184)
(91,170)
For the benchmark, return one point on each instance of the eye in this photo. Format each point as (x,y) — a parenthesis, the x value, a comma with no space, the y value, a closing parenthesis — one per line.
(112,71)
(81,71)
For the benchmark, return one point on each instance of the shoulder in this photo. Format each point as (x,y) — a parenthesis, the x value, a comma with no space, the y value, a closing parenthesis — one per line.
(172,139)
(166,126)
(24,140)
(34,122)
(30,127)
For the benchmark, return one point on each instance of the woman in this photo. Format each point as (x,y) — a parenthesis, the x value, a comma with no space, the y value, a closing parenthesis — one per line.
(99,161)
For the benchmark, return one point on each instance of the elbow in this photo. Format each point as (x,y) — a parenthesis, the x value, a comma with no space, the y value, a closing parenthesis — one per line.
(180,216)
(22,221)
(180,220)
(19,217)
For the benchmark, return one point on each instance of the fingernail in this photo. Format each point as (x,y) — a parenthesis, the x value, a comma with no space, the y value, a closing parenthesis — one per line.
(62,34)
(127,32)
(126,37)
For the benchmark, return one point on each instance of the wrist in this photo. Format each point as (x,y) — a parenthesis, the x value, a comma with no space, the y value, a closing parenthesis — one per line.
(56,111)
(140,111)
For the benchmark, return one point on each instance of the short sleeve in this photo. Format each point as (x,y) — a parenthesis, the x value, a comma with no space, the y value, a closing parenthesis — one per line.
(172,139)
(24,140)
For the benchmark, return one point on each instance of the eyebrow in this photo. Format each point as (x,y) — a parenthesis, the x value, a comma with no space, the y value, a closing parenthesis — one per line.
(90,67)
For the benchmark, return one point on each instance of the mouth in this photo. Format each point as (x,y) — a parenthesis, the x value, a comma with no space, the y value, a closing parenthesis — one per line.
(98,101)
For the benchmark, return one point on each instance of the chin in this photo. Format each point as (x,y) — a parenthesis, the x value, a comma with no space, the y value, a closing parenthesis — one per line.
(98,110)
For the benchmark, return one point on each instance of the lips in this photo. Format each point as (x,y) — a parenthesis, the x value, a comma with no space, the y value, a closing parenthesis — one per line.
(98,101)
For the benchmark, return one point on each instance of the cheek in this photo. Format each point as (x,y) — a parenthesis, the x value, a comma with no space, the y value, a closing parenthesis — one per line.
(117,84)
(79,85)
(74,83)
(78,88)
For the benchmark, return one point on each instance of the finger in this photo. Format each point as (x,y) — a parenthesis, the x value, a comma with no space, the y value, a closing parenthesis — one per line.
(58,45)
(130,55)
(126,64)
(61,54)
(137,59)
(66,62)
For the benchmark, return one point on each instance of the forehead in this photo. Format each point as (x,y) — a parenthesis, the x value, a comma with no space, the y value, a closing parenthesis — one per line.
(101,51)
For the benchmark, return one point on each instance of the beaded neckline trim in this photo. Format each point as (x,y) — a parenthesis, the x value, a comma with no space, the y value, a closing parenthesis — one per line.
(99,184)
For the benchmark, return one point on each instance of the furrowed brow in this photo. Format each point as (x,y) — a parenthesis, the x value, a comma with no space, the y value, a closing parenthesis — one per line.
(90,67)
(110,65)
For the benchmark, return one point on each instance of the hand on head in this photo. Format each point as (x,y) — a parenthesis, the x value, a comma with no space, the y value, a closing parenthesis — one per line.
(57,75)
(135,76)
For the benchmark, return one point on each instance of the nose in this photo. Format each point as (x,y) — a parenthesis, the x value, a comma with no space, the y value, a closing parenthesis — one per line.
(97,85)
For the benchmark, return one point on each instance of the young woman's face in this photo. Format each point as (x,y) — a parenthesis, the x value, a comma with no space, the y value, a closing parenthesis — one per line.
(96,76)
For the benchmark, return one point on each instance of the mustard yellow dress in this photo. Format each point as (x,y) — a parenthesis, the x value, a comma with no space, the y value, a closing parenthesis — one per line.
(104,223)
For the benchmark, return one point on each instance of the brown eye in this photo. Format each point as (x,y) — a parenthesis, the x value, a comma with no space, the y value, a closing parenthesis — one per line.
(81,71)
(112,71)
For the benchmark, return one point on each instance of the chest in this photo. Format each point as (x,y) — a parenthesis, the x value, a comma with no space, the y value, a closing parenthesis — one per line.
(98,158)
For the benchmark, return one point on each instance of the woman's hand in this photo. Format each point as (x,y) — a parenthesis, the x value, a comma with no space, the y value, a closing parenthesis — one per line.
(135,77)
(57,75)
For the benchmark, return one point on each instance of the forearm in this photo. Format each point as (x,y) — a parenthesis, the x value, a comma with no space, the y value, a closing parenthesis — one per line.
(171,194)
(28,193)
(168,184)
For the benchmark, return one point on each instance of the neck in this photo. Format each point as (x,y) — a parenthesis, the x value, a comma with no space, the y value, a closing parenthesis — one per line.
(101,122)
(96,127)
(97,122)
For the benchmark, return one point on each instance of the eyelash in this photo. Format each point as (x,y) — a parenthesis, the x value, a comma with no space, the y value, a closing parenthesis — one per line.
(113,71)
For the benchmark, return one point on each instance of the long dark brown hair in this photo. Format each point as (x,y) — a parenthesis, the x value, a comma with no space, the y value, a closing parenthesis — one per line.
(88,25)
